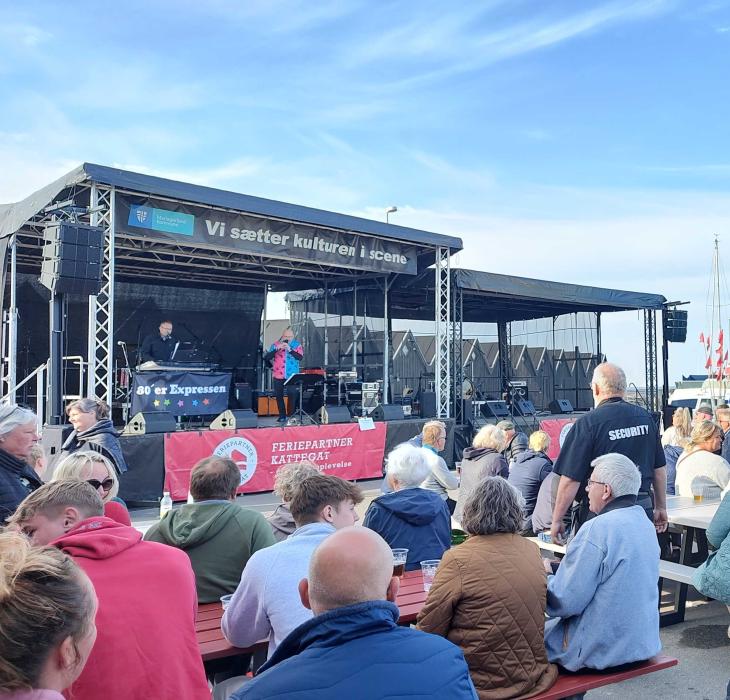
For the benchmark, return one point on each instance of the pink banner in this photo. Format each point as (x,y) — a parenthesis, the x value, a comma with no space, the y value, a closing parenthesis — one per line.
(557,429)
(343,450)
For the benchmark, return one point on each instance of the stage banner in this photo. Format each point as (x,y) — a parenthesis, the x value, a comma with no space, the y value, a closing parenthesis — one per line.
(340,449)
(181,393)
(557,429)
(223,230)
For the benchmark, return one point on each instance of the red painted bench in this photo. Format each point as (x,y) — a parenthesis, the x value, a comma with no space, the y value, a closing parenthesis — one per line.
(577,683)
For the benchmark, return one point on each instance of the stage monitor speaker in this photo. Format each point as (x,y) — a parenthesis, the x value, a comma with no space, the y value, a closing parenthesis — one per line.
(391,411)
(73,257)
(428,404)
(498,409)
(333,414)
(235,420)
(526,408)
(148,422)
(560,406)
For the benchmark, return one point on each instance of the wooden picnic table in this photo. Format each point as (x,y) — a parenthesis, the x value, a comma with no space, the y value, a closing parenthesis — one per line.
(213,645)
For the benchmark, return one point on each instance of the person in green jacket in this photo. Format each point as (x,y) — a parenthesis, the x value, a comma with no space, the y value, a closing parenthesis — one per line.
(218,534)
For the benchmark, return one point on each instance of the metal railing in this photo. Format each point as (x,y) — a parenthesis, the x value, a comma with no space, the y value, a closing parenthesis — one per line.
(41,377)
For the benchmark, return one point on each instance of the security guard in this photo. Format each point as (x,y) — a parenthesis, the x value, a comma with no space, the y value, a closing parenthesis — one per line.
(614,426)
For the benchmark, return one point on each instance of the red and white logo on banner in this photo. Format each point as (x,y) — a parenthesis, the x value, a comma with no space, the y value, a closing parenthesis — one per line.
(242,452)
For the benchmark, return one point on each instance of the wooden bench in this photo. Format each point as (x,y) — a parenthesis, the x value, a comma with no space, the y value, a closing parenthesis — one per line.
(571,684)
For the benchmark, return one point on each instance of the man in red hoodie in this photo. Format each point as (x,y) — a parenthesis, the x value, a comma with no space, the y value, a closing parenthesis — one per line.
(146,645)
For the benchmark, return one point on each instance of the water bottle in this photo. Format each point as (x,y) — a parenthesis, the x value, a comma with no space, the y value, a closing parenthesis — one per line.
(165,504)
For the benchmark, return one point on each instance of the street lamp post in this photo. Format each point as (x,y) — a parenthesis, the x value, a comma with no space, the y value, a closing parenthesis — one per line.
(388,212)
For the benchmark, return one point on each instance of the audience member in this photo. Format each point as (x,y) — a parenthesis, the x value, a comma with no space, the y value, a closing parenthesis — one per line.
(698,467)
(38,460)
(723,420)
(353,647)
(47,609)
(92,430)
(515,441)
(613,426)
(702,412)
(146,645)
(266,603)
(416,441)
(18,435)
(97,470)
(612,554)
(542,517)
(411,517)
(680,428)
(218,535)
(441,479)
(286,481)
(713,577)
(672,453)
(529,471)
(484,458)
(488,597)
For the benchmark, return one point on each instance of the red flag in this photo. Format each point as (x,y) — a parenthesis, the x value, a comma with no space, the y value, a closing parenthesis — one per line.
(726,354)
(702,338)
(720,338)
(708,364)
(719,361)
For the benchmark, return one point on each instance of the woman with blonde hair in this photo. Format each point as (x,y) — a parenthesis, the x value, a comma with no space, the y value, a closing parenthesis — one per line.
(698,467)
(97,470)
(484,458)
(679,430)
(286,482)
(47,611)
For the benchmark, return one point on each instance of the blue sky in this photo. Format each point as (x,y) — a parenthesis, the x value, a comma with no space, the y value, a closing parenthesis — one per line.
(579,141)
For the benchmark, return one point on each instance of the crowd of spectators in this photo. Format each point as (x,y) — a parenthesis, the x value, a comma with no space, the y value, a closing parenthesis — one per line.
(88,603)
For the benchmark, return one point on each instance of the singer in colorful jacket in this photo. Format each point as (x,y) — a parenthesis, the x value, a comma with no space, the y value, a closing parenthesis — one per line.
(285,355)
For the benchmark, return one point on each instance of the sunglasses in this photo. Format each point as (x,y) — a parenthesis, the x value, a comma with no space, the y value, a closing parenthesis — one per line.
(106,485)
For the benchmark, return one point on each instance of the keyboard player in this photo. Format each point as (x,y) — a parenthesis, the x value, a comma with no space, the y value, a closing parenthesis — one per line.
(158,347)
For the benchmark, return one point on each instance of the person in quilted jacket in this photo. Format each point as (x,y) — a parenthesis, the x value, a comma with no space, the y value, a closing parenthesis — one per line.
(488,597)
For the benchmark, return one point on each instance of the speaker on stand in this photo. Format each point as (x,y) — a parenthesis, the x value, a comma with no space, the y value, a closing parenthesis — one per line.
(148,422)
(235,419)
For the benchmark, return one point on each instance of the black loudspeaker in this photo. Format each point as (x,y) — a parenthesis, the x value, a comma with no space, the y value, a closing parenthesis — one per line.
(73,257)
(428,404)
(560,406)
(333,414)
(675,328)
(244,395)
(498,409)
(526,408)
(148,422)
(236,419)
(467,410)
(391,411)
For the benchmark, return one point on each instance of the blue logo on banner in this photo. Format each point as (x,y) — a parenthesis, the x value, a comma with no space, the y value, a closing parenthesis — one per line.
(161,220)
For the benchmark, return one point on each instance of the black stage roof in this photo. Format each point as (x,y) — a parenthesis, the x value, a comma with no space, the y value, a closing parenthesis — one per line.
(140,256)
(487,298)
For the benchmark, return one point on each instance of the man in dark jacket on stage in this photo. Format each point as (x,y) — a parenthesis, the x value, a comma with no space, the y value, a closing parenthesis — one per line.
(353,648)
(158,347)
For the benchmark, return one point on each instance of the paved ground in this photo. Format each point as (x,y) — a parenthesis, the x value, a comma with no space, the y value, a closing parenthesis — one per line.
(701,643)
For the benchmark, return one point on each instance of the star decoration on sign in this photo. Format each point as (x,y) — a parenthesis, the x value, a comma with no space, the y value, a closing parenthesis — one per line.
(195,402)
(205,402)
(156,402)
(181,403)
(167,402)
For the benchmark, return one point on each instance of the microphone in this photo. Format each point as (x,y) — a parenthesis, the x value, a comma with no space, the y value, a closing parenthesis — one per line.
(120,342)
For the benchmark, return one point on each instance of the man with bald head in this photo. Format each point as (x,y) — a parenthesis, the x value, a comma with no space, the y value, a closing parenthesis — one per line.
(613,426)
(353,648)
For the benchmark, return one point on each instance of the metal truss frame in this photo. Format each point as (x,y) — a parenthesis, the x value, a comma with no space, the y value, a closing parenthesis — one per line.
(504,338)
(442,364)
(457,353)
(100,354)
(650,359)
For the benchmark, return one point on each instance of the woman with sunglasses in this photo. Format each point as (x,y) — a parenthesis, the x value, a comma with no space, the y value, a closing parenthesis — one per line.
(18,435)
(97,470)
